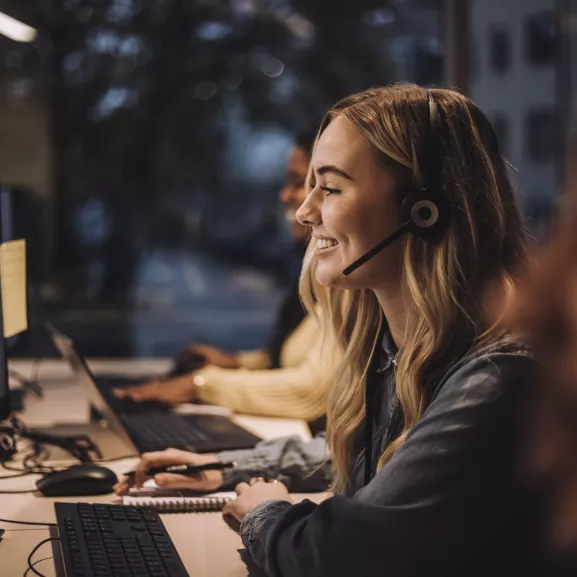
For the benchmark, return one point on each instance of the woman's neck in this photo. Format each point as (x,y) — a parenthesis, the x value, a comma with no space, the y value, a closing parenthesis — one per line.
(395,309)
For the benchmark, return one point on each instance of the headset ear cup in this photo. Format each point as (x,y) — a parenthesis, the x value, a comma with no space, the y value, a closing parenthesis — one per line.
(424,213)
(427,214)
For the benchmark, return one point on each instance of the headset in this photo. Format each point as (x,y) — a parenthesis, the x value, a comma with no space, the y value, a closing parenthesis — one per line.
(425,212)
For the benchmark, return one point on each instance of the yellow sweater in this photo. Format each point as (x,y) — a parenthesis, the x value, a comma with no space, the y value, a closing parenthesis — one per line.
(298,389)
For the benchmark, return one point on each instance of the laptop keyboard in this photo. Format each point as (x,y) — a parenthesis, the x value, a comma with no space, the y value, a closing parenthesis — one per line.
(115,541)
(158,431)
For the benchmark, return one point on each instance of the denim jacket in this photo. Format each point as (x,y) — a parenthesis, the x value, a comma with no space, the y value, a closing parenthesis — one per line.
(305,467)
(450,502)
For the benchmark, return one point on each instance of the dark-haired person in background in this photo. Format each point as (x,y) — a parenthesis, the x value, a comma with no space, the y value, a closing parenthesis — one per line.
(288,378)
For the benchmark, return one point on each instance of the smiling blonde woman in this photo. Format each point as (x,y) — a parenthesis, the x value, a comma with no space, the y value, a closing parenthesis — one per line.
(422,411)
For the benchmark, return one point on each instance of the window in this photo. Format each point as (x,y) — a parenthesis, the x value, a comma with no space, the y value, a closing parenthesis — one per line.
(164,227)
(541,38)
(427,66)
(499,50)
(502,129)
(540,135)
(474,60)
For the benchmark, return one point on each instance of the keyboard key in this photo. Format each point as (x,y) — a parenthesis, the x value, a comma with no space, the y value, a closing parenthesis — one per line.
(138,528)
(144,540)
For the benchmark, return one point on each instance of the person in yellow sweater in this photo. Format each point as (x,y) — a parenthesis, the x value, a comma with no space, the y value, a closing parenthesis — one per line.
(288,377)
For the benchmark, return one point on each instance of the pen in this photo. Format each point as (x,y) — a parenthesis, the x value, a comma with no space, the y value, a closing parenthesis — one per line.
(188,470)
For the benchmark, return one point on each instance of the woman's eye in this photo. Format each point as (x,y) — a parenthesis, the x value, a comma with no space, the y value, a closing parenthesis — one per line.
(329,190)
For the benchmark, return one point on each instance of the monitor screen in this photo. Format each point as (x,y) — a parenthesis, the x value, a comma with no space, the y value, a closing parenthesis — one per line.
(8,197)
(6,233)
(5,408)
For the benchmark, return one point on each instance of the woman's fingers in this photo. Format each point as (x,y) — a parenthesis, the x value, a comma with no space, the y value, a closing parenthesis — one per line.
(162,459)
(242,488)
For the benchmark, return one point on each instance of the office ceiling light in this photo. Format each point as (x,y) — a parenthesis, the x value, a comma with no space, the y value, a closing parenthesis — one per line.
(16,30)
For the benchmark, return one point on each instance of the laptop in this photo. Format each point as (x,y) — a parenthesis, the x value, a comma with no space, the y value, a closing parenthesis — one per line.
(151,426)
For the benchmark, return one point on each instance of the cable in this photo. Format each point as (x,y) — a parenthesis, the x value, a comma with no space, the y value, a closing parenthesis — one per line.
(28,523)
(18,492)
(30,565)
(27,470)
(27,384)
(17,475)
(36,563)
(79,446)
(37,469)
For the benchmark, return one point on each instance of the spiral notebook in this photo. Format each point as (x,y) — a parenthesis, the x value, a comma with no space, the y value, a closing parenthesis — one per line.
(173,501)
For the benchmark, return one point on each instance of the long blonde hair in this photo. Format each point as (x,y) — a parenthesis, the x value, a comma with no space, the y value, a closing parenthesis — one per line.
(483,247)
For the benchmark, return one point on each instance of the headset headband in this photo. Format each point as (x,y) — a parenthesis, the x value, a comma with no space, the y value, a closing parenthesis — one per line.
(430,165)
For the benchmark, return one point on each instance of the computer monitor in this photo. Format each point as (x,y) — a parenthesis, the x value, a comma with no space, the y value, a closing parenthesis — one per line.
(6,234)
(5,406)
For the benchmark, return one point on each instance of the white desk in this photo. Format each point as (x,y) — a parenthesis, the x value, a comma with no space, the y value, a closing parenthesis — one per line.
(207,546)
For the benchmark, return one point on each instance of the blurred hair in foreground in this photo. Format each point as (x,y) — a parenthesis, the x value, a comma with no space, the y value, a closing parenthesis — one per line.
(546,311)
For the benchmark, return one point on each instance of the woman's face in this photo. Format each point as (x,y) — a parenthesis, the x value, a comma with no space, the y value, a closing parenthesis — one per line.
(350,208)
(293,193)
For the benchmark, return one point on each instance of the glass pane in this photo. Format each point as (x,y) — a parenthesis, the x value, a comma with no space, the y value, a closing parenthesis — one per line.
(154,135)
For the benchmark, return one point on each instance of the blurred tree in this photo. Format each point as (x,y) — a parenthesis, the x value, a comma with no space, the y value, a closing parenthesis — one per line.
(147,95)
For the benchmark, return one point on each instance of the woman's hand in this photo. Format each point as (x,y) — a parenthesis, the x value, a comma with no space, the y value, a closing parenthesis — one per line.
(249,496)
(175,391)
(205,481)
(210,355)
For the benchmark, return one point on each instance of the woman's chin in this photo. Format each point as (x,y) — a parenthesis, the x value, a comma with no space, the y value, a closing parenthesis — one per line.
(329,276)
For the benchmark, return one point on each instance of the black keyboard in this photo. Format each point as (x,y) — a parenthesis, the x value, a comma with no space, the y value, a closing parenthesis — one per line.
(115,541)
(199,433)
(156,432)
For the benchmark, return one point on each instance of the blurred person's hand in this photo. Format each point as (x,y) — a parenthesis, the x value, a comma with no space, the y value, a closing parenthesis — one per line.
(205,355)
(173,391)
(205,481)
(249,496)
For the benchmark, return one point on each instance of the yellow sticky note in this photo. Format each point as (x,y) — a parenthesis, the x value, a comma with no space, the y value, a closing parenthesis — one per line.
(13,282)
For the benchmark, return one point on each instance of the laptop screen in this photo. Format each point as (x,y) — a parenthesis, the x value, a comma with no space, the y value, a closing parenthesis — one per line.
(82,371)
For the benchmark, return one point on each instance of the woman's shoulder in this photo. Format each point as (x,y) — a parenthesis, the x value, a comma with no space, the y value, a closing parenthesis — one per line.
(490,368)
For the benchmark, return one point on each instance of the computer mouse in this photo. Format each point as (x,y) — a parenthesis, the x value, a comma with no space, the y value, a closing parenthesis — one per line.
(85,479)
